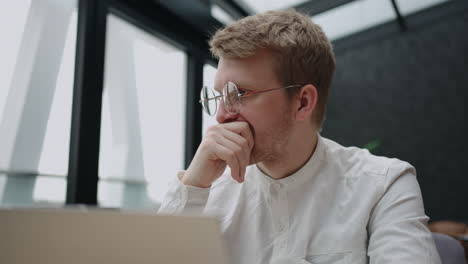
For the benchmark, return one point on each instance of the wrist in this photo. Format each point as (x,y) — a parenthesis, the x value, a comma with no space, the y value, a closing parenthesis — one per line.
(186,179)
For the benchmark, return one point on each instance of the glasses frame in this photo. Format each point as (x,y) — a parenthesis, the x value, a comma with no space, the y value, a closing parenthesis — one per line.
(239,96)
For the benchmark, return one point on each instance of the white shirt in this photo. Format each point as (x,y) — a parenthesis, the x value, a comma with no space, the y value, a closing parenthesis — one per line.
(344,206)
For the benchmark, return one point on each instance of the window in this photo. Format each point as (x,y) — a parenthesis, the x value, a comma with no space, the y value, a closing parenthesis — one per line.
(360,15)
(36,84)
(221,15)
(408,7)
(348,18)
(209,73)
(260,6)
(354,17)
(142,129)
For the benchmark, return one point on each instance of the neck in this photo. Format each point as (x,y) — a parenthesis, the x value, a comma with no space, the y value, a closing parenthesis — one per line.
(297,153)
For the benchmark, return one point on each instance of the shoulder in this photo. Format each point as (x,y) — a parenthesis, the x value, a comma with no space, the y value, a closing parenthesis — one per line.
(355,162)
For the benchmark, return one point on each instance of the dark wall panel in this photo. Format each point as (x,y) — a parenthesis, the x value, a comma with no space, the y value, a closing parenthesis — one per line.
(405,94)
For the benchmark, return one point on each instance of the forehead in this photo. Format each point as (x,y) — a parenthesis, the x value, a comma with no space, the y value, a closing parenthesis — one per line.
(254,72)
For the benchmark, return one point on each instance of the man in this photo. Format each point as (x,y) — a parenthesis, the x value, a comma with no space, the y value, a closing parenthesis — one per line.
(292,196)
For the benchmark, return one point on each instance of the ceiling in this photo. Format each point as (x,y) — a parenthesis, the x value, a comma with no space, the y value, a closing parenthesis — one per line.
(190,24)
(338,18)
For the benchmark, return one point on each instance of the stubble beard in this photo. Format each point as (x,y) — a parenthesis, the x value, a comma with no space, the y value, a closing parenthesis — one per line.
(273,147)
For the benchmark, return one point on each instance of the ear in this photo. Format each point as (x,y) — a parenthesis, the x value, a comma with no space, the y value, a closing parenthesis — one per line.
(307,101)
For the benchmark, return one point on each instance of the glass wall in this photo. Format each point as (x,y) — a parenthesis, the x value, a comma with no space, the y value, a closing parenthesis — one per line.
(142,129)
(36,84)
(357,16)
(209,73)
(348,18)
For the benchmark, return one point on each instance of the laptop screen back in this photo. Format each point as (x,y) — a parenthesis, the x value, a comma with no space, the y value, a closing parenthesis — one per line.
(74,236)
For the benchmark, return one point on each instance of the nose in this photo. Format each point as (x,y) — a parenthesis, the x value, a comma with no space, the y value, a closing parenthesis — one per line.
(223,116)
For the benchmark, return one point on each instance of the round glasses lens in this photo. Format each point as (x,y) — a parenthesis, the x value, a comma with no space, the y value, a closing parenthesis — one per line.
(208,101)
(231,98)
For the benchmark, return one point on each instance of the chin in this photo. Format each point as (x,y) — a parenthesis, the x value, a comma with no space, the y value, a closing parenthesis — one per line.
(256,156)
(261,155)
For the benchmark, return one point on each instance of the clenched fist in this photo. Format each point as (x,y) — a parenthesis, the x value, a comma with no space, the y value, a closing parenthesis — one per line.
(228,144)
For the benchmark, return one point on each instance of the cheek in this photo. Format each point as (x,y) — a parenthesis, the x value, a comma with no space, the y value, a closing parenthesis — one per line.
(264,116)
(261,123)
(255,120)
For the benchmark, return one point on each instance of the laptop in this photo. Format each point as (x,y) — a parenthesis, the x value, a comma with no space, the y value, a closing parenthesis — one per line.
(100,236)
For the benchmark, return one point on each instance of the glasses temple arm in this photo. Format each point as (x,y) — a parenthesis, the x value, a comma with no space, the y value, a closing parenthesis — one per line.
(269,90)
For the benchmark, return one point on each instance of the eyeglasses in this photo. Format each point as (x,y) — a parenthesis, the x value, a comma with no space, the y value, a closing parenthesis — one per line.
(230,96)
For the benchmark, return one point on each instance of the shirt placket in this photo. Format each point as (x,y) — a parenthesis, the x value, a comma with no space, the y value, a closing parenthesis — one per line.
(280,217)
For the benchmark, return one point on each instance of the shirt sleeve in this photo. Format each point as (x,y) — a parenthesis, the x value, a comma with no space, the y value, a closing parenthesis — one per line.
(181,198)
(397,228)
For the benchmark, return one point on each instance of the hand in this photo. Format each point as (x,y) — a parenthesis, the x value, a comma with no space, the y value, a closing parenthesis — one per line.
(228,144)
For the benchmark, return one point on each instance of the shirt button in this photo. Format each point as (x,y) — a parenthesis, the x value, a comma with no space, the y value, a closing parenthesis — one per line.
(277,186)
(274,189)
(281,227)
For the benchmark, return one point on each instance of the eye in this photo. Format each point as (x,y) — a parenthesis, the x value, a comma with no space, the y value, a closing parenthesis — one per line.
(243,90)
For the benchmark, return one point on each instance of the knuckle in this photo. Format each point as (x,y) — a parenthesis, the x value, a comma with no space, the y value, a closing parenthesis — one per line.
(213,128)
(231,154)
(209,133)
(237,150)
(244,142)
(207,143)
(245,126)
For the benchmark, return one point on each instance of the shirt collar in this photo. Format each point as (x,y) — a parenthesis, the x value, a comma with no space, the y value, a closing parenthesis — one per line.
(300,176)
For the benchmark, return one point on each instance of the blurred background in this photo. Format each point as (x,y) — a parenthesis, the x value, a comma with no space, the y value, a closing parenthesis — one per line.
(99,98)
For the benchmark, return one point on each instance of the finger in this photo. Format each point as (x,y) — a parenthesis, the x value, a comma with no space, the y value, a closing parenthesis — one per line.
(240,141)
(242,128)
(228,155)
(245,131)
(239,152)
